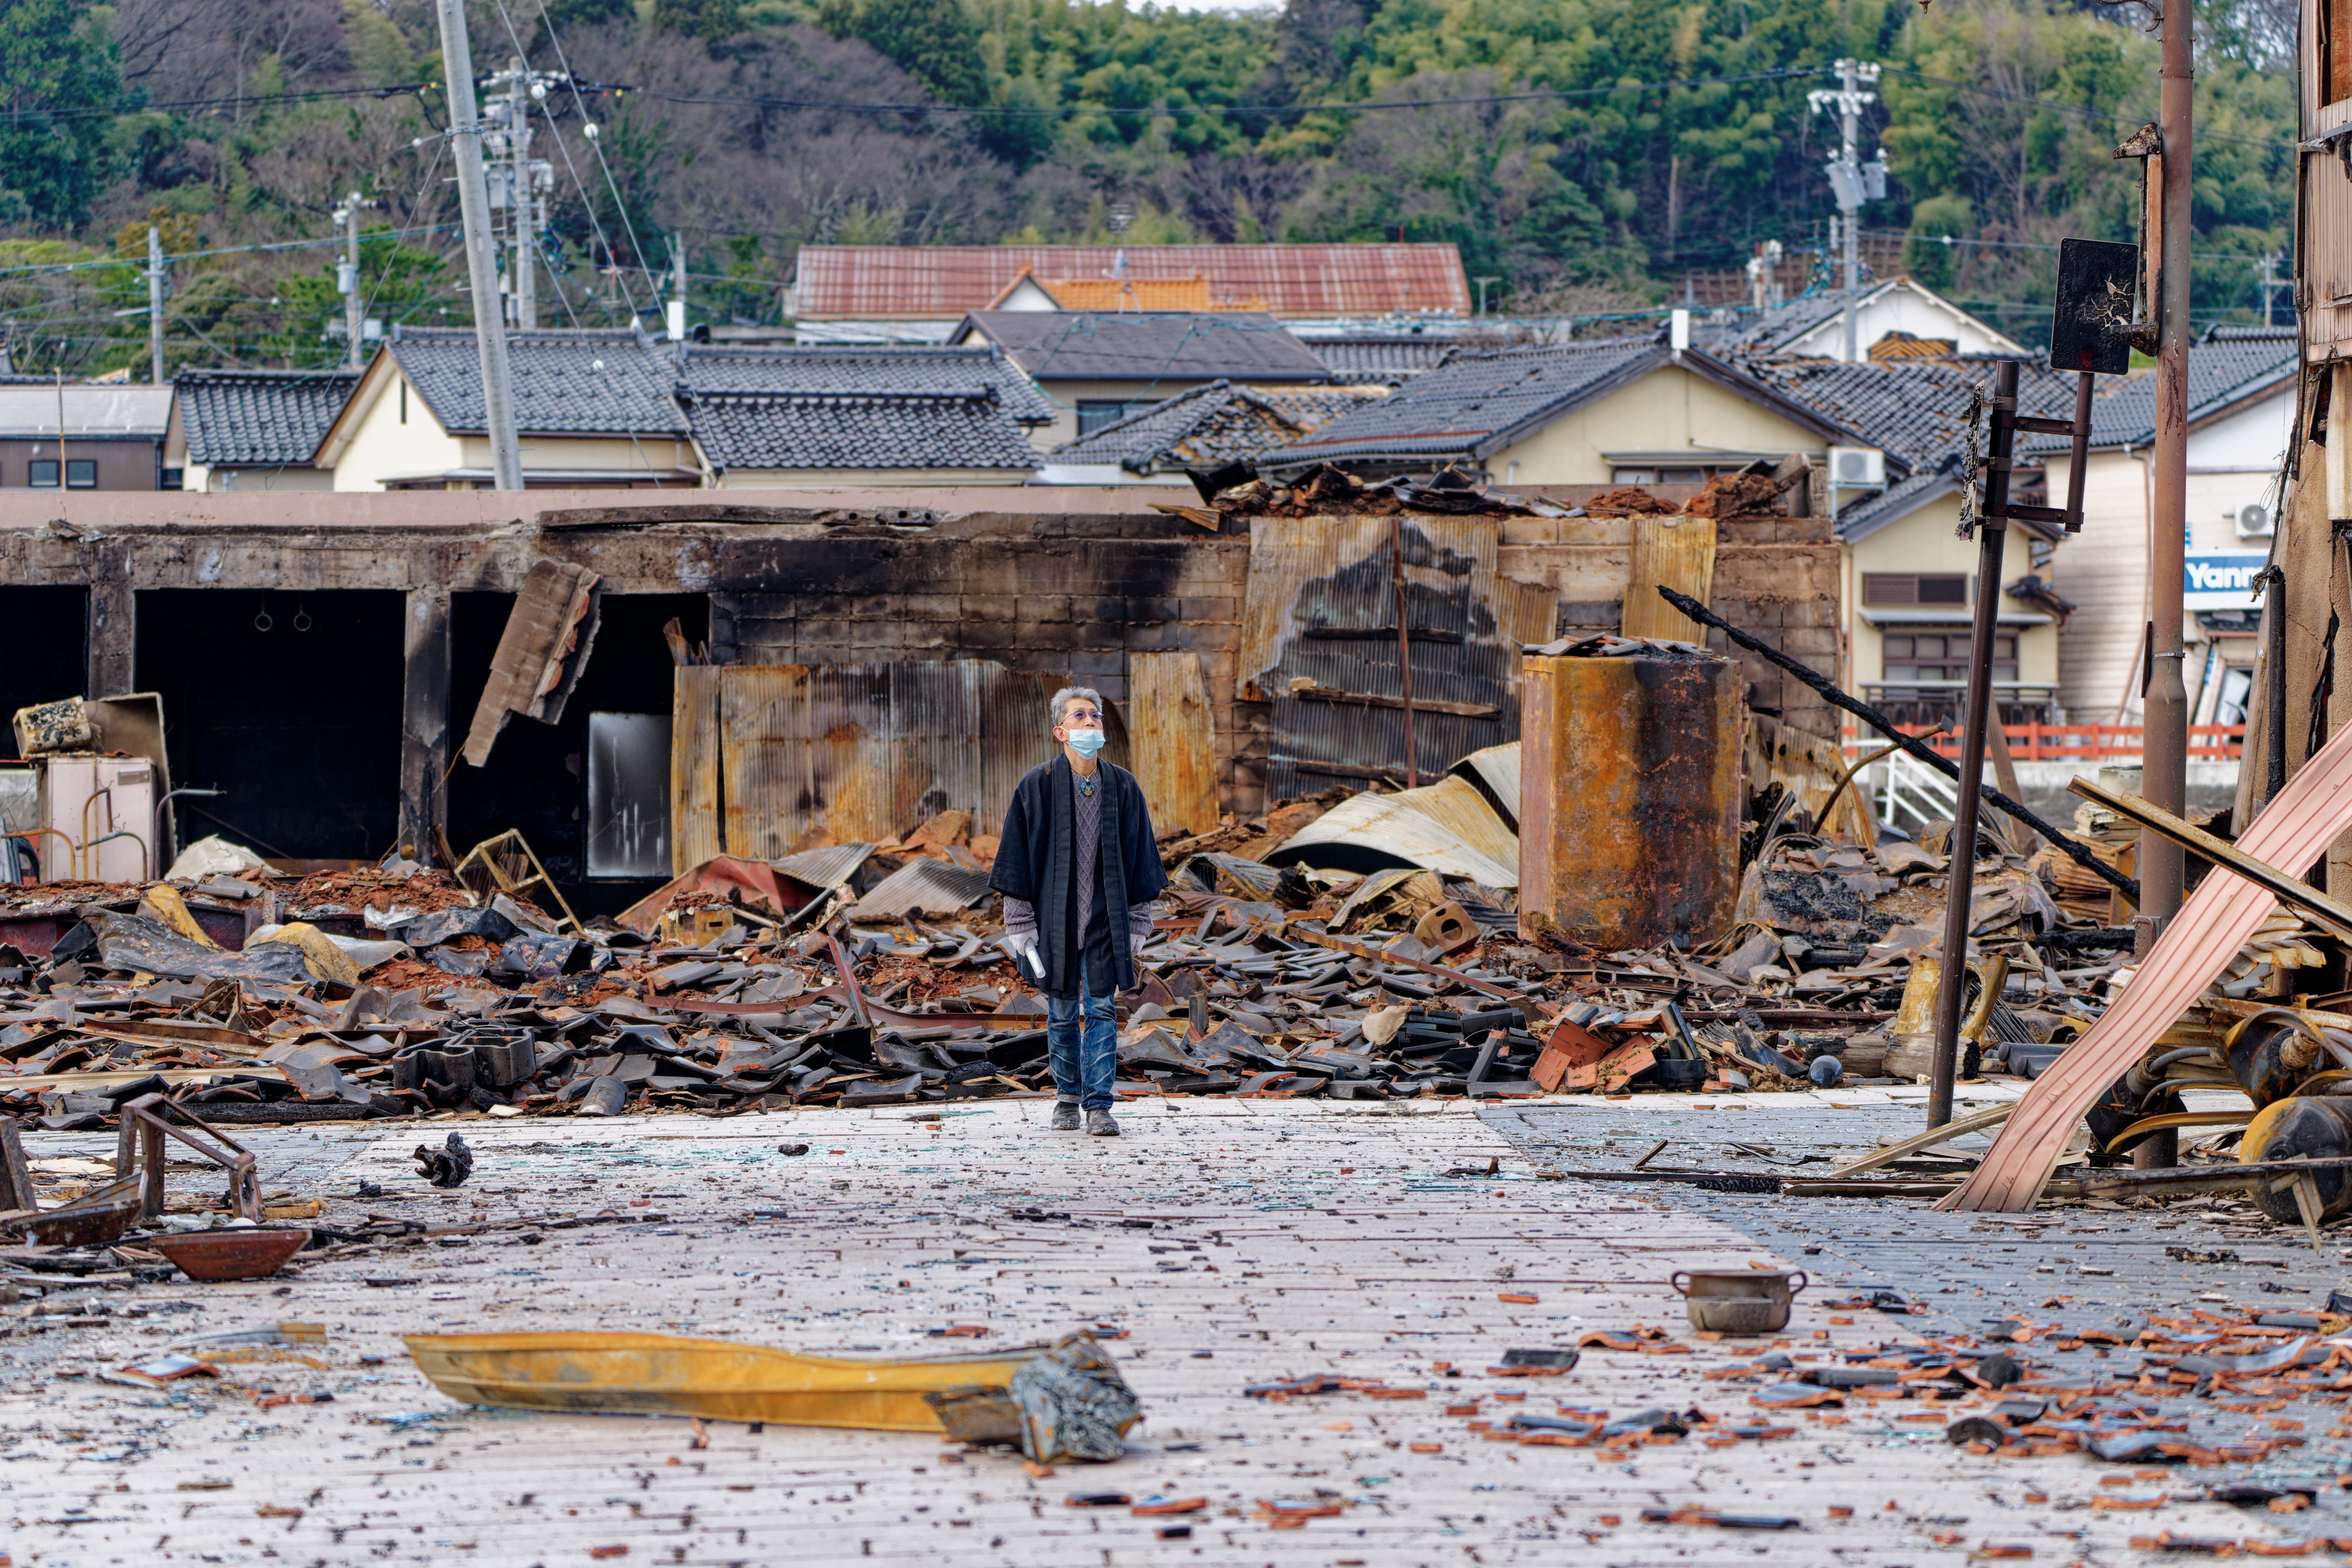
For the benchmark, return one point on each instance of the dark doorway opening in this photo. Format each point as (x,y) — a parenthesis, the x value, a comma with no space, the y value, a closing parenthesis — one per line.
(44,640)
(537,775)
(290,703)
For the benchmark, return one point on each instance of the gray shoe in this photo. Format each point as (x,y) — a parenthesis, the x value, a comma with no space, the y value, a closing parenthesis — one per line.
(1066,1116)
(1101,1124)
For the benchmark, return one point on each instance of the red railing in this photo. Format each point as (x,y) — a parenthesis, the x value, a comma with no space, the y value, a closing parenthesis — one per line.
(2079,742)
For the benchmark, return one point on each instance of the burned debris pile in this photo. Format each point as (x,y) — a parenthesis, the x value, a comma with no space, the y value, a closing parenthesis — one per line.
(866,975)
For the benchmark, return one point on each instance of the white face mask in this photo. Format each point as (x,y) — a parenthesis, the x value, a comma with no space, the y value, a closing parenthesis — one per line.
(1086,742)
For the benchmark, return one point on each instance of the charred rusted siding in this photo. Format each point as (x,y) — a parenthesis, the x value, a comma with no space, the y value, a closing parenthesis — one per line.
(1322,612)
(1629,801)
(1174,741)
(763,753)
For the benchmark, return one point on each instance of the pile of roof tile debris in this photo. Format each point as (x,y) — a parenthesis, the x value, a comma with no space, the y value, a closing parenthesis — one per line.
(1760,489)
(871,974)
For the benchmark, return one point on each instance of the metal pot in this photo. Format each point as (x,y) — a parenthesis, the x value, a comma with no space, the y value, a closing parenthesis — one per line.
(1738,1301)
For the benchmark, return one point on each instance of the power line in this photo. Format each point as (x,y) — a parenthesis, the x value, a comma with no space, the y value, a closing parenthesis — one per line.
(2044,244)
(2115,118)
(623,90)
(620,207)
(95,264)
(246,100)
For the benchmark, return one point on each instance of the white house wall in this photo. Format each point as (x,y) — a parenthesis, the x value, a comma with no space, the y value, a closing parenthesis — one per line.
(622,456)
(381,446)
(1669,409)
(2103,570)
(1901,310)
(2253,438)
(2234,462)
(836,478)
(1927,542)
(301,477)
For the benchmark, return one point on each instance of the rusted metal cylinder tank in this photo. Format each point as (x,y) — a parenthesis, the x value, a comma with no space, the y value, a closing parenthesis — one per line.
(1629,796)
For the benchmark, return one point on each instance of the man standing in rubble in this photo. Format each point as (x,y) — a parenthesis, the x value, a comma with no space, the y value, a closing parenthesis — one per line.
(1078,870)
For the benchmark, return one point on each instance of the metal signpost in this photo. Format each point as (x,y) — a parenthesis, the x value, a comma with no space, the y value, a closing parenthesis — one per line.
(2090,334)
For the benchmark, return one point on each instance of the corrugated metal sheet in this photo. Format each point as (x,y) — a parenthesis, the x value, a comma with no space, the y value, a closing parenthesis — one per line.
(694,729)
(1172,732)
(1229,875)
(762,754)
(1371,887)
(922,886)
(1446,827)
(2328,254)
(1321,607)
(827,867)
(896,282)
(1675,552)
(1496,773)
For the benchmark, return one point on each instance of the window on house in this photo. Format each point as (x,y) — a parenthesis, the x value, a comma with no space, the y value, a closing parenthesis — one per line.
(41,474)
(403,402)
(1093,416)
(1660,475)
(81,472)
(1895,587)
(1942,656)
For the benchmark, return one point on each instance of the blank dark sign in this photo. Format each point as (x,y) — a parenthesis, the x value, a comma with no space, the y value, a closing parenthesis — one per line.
(2096,282)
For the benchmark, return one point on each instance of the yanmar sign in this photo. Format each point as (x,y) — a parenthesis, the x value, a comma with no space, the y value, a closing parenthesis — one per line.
(2222,582)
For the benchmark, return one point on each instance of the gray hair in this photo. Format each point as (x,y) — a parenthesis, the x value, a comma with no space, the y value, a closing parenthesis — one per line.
(1061,699)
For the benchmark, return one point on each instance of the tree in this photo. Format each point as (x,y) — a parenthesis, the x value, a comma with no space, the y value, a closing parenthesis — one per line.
(397,283)
(712,21)
(932,40)
(59,82)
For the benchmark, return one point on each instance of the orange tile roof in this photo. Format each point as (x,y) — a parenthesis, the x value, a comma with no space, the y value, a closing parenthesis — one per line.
(1143,294)
(941,282)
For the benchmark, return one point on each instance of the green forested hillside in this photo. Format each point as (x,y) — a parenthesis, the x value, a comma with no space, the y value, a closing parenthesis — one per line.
(1587,154)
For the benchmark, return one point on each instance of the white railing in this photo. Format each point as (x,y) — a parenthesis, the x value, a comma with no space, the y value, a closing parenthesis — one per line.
(1909,788)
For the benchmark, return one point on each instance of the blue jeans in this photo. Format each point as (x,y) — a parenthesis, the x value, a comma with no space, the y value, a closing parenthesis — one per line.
(1084,1061)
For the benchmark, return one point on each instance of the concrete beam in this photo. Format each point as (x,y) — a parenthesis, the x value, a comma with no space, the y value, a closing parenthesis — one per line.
(111,645)
(425,719)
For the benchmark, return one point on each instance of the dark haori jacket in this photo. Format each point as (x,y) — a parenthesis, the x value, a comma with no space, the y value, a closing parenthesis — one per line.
(1033,864)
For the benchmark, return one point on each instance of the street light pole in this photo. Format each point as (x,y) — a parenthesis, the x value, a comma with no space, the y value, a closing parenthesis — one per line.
(482,259)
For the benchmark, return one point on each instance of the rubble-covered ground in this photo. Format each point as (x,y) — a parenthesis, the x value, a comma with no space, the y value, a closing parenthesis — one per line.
(1220,1244)
(1377,1141)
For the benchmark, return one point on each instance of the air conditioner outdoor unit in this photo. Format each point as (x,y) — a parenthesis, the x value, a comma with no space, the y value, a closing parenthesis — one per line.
(1857,467)
(2255,522)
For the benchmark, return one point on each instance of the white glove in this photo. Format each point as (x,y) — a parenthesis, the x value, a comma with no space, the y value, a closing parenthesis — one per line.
(1024,949)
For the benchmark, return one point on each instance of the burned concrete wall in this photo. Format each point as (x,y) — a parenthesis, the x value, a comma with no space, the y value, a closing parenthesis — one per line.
(1778,578)
(1072,586)
(1070,598)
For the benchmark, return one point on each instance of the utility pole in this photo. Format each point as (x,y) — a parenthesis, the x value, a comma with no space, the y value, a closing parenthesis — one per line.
(347,278)
(155,308)
(1850,128)
(481,260)
(2164,735)
(1851,181)
(677,292)
(520,202)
